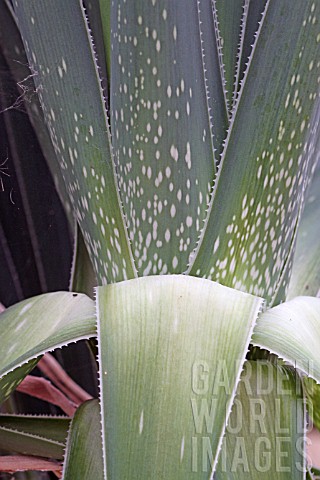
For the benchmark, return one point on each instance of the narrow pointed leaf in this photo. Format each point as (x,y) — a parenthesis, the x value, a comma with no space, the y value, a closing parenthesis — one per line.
(39,324)
(230,20)
(29,435)
(265,436)
(167,116)
(253,18)
(17,61)
(70,93)
(305,279)
(292,331)
(83,278)
(84,450)
(256,205)
(164,342)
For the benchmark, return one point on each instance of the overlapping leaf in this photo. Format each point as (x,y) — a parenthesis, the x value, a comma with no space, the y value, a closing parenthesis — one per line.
(167,116)
(265,435)
(34,326)
(30,435)
(256,204)
(68,85)
(231,17)
(305,278)
(292,331)
(164,341)
(84,450)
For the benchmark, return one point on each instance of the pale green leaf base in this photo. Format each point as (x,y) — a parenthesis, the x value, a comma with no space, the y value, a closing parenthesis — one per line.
(166,344)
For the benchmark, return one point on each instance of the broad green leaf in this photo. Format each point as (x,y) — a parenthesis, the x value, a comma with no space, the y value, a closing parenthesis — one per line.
(69,90)
(29,435)
(167,117)
(265,435)
(305,279)
(84,450)
(231,21)
(37,325)
(256,204)
(292,331)
(165,345)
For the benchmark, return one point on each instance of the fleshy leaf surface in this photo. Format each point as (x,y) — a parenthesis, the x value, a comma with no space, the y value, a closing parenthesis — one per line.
(84,450)
(37,325)
(305,279)
(266,430)
(292,331)
(256,204)
(30,435)
(167,116)
(165,343)
(230,16)
(68,85)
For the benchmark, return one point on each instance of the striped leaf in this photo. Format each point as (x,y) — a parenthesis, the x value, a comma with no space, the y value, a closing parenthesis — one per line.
(37,325)
(30,435)
(83,457)
(265,435)
(68,85)
(292,331)
(256,204)
(165,343)
(167,117)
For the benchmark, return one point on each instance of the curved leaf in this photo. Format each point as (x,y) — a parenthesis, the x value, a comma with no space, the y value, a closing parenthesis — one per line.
(84,451)
(292,331)
(165,345)
(266,432)
(68,85)
(37,325)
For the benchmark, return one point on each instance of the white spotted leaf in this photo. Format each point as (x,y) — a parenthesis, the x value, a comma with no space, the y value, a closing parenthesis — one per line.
(305,279)
(165,342)
(37,325)
(168,115)
(259,192)
(68,85)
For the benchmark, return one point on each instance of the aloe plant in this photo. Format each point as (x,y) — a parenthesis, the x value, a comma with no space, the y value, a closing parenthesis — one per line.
(187,139)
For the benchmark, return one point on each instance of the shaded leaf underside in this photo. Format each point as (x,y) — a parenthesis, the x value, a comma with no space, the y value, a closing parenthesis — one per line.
(39,324)
(292,331)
